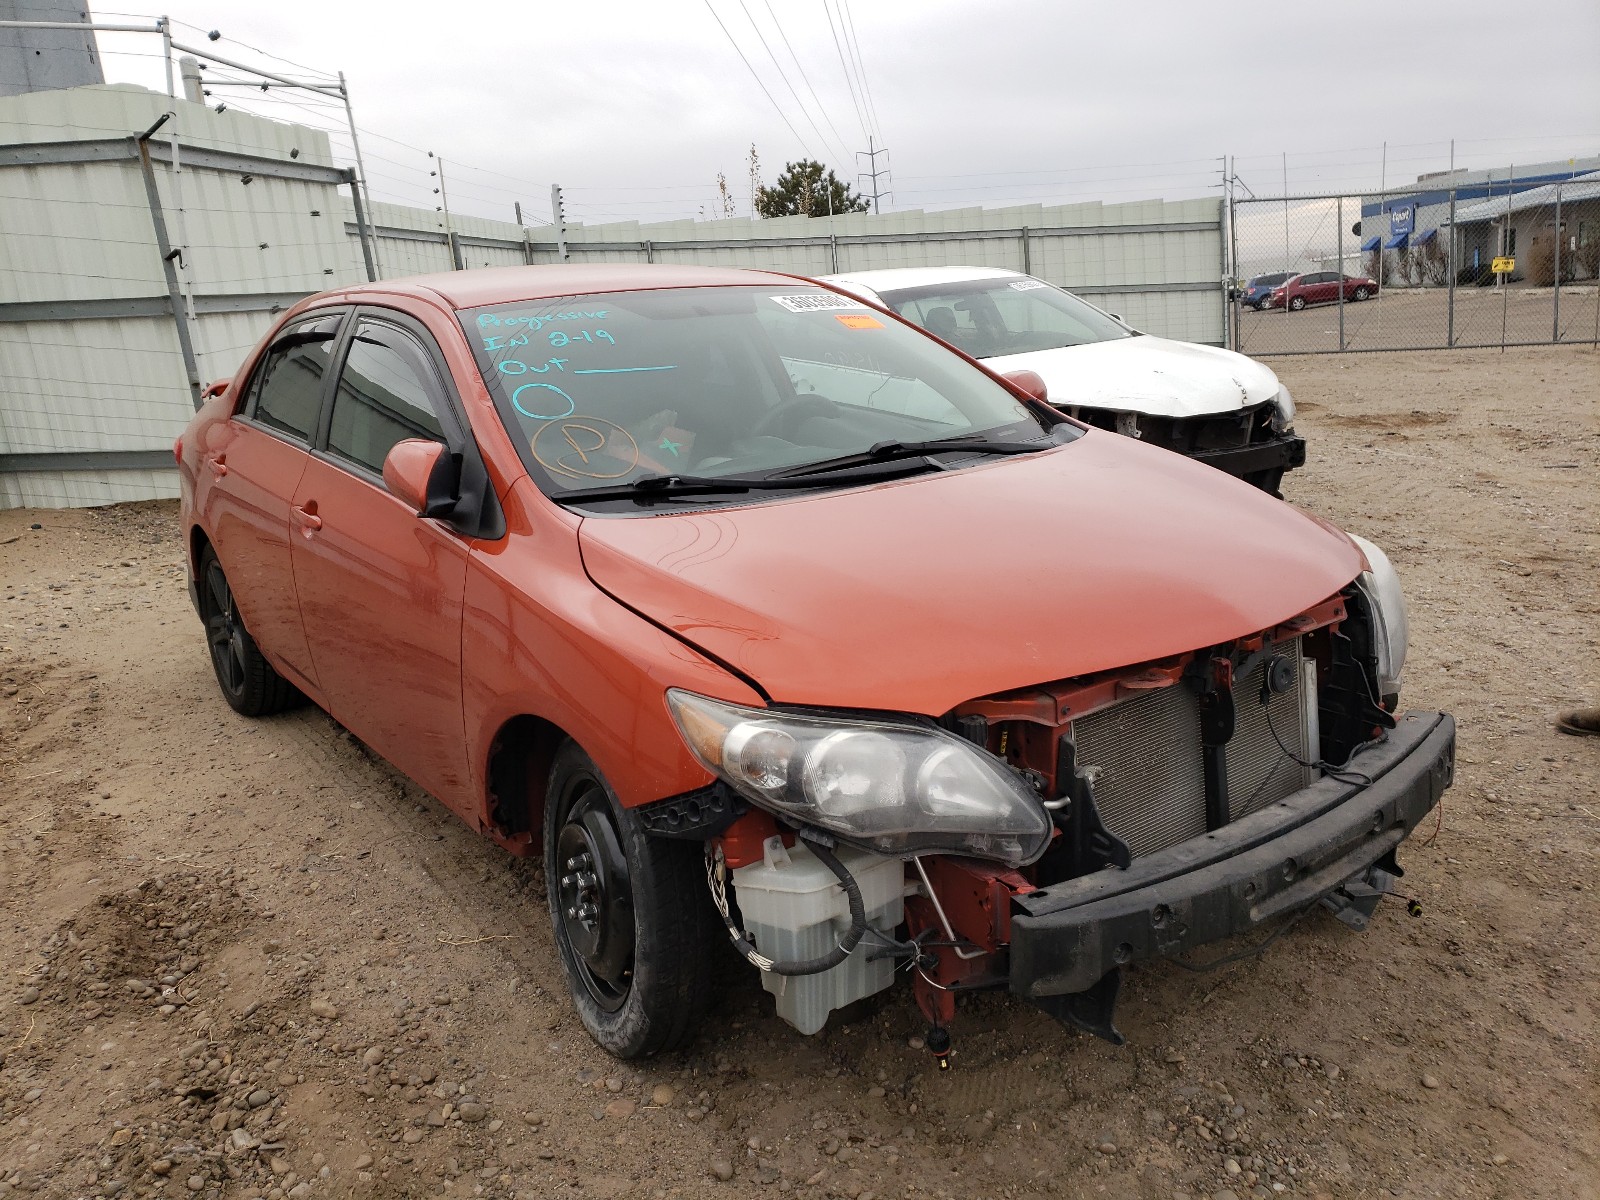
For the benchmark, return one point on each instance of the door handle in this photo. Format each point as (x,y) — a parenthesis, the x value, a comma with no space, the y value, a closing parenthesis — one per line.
(218,466)
(308,521)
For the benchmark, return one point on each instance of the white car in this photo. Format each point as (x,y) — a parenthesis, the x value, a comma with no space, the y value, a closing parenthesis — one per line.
(1210,404)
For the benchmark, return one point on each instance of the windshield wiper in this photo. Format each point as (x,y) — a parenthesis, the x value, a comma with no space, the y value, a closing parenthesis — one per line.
(651,487)
(889,451)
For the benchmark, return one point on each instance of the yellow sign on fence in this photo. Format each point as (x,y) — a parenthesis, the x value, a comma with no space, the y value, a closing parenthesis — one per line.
(1503,265)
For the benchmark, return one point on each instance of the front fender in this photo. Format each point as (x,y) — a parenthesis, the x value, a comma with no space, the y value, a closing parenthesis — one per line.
(540,639)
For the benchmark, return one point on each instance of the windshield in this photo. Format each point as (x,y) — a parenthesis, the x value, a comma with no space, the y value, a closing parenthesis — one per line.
(990,317)
(601,390)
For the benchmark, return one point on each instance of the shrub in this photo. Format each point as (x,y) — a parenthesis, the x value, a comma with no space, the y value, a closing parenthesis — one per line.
(1587,256)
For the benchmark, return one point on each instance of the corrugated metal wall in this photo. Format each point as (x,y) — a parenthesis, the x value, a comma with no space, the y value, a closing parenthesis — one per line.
(89,354)
(1157,263)
(93,387)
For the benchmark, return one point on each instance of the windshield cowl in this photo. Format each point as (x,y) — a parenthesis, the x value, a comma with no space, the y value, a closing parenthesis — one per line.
(884,462)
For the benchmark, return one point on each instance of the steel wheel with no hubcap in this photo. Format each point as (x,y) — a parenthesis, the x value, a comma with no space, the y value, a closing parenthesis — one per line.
(596,898)
(634,924)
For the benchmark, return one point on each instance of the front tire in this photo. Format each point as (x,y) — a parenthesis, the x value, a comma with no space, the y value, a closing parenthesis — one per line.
(1362,293)
(248,681)
(631,914)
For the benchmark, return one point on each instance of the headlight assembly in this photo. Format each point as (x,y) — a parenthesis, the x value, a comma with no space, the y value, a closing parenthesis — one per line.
(1391,633)
(1282,411)
(895,789)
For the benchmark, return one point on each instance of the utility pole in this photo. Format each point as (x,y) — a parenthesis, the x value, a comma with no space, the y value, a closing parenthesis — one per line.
(444,207)
(558,216)
(871,153)
(1286,264)
(361,171)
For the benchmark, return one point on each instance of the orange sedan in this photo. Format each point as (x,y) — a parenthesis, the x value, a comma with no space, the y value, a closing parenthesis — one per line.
(760,614)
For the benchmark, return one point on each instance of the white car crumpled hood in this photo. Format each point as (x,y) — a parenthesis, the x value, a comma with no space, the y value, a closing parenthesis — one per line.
(1146,375)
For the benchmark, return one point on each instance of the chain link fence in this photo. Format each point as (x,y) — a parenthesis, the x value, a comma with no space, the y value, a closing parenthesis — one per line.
(1501,264)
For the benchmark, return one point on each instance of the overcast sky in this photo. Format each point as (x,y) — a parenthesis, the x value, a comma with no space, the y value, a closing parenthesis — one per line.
(634,106)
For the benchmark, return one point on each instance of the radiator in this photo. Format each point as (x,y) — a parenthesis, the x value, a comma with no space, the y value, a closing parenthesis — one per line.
(1260,771)
(1147,770)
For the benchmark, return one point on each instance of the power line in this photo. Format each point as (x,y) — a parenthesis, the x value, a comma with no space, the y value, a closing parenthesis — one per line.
(843,62)
(804,77)
(486,193)
(848,18)
(264,53)
(783,75)
(1182,162)
(776,106)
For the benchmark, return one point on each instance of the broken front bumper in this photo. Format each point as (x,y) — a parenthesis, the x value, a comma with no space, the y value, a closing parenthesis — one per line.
(1283,453)
(1067,938)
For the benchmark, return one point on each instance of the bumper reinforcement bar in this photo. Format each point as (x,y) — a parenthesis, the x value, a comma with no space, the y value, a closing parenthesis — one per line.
(1068,938)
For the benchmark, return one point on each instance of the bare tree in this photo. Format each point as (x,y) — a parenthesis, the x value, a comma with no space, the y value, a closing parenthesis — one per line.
(1588,257)
(1435,269)
(723,205)
(755,179)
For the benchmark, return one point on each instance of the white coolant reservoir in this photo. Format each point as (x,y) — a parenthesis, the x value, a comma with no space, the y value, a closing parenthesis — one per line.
(794,908)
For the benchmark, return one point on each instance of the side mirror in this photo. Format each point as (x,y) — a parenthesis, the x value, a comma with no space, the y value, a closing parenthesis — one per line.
(1029,381)
(422,475)
(215,388)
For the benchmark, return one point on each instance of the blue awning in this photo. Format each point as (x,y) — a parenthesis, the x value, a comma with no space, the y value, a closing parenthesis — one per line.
(1397,242)
(1371,244)
(1423,238)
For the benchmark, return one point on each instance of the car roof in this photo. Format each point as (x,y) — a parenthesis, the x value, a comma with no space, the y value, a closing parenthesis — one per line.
(894,278)
(503,285)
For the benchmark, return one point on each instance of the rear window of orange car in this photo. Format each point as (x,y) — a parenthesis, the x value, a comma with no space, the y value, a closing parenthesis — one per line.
(287,388)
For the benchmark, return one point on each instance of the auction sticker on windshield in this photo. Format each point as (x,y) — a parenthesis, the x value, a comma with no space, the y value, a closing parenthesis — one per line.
(816,302)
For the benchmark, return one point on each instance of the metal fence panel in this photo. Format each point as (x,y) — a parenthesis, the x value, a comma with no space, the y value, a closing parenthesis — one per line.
(93,381)
(1506,262)
(105,338)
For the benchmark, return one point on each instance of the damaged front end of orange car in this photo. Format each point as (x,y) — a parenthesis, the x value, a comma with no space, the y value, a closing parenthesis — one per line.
(1184,802)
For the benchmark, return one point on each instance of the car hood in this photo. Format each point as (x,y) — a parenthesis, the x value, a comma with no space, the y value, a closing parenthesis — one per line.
(916,595)
(1147,375)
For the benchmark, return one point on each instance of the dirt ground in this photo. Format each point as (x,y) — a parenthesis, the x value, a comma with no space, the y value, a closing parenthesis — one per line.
(244,959)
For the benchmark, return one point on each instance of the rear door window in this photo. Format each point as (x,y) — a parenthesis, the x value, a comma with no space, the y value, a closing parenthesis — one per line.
(387,393)
(286,393)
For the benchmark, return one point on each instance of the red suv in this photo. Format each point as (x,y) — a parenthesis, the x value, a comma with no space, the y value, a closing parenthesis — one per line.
(1320,287)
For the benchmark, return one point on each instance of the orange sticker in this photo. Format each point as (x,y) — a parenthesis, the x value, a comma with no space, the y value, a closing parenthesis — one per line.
(857,321)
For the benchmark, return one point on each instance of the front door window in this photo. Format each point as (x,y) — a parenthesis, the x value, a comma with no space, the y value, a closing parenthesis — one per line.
(383,398)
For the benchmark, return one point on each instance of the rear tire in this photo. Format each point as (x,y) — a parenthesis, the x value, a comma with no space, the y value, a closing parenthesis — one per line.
(248,682)
(1261,305)
(1297,303)
(631,913)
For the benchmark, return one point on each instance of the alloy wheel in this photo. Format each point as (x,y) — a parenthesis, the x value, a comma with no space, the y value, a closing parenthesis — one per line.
(224,632)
